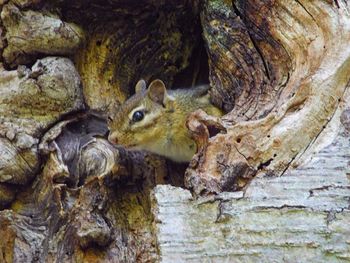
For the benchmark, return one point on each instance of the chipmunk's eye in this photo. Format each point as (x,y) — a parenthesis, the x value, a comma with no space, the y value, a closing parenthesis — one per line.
(138,116)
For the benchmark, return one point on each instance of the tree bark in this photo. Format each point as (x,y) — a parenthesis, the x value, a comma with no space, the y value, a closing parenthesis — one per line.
(302,216)
(279,69)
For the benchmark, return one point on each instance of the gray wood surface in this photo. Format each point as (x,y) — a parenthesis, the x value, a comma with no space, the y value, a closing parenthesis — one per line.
(302,216)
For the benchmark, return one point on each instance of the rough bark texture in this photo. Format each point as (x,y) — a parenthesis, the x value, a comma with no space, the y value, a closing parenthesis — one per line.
(302,216)
(30,33)
(280,69)
(292,104)
(146,40)
(31,100)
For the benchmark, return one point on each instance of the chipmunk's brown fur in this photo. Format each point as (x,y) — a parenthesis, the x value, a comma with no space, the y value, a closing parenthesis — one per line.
(162,129)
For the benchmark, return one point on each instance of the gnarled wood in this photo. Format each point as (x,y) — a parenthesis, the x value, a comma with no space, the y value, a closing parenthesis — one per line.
(32,99)
(29,34)
(279,68)
(304,105)
(302,216)
(127,42)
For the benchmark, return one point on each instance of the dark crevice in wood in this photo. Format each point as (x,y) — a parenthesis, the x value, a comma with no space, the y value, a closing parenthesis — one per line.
(158,39)
(307,11)
(243,18)
(197,72)
(3,42)
(288,165)
(337,3)
(265,164)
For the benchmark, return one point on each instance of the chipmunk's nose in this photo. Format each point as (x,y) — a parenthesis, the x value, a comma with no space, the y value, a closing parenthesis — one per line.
(112,137)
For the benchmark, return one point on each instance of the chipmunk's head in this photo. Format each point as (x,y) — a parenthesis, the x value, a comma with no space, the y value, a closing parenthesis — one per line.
(140,121)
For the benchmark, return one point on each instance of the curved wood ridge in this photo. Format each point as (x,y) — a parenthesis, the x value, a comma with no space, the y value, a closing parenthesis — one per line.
(312,37)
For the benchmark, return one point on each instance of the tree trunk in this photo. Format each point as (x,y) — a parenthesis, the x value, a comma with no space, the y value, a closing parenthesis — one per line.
(270,180)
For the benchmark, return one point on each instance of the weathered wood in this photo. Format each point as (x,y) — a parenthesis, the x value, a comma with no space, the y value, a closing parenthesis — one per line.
(249,65)
(89,202)
(126,42)
(32,99)
(302,216)
(279,68)
(315,34)
(29,34)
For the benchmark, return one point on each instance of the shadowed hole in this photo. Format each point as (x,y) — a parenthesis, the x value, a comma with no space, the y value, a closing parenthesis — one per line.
(213,131)
(265,164)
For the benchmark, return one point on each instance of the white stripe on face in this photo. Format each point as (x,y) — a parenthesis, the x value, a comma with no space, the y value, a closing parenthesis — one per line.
(139,108)
(147,119)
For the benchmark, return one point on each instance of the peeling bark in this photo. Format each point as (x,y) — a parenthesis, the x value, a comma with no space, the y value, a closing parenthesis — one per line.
(304,212)
(280,69)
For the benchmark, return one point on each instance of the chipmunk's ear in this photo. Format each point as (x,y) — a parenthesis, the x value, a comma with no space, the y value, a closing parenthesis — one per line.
(140,86)
(157,91)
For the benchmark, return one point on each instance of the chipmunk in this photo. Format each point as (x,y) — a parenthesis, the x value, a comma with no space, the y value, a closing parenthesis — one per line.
(154,120)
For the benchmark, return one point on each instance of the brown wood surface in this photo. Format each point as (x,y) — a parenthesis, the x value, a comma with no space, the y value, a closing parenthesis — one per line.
(279,69)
